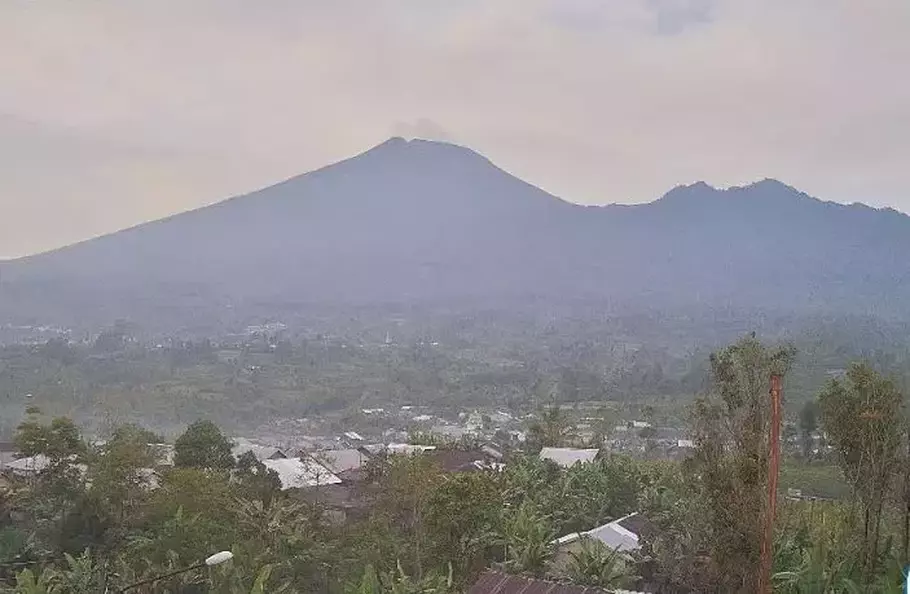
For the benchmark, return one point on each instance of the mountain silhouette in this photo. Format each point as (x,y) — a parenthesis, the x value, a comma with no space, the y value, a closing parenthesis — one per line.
(429,222)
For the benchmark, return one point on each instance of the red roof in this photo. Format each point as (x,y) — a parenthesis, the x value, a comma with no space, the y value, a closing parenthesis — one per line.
(494,582)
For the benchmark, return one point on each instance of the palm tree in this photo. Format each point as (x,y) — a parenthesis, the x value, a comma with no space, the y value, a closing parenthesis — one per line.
(528,538)
(595,564)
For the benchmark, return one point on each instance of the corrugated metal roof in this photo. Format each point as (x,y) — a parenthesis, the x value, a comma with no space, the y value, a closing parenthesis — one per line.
(340,460)
(568,456)
(30,464)
(296,473)
(242,446)
(622,534)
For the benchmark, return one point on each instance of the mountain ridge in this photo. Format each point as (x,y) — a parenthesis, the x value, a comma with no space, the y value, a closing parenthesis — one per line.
(398,142)
(425,221)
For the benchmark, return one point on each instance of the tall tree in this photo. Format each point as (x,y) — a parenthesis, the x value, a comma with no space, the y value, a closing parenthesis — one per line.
(731,458)
(551,428)
(55,499)
(861,415)
(255,480)
(203,445)
(59,441)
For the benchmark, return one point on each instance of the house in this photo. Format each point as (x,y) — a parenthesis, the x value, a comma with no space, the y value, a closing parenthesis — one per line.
(449,432)
(623,535)
(163,452)
(474,423)
(33,465)
(345,464)
(29,465)
(494,582)
(407,448)
(300,473)
(262,453)
(465,460)
(567,457)
(493,452)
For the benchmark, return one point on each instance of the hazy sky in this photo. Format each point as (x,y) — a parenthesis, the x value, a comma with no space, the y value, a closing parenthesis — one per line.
(116,112)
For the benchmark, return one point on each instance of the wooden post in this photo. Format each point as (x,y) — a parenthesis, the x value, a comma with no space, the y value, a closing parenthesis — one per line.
(767,544)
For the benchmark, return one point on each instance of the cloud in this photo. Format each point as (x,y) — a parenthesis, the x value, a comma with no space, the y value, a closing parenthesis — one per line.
(139,109)
(422,128)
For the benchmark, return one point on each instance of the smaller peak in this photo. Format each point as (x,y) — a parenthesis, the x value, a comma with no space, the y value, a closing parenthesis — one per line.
(700,186)
(394,141)
(768,184)
(690,192)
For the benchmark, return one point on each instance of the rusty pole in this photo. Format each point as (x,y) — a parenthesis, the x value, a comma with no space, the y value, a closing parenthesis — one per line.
(767,544)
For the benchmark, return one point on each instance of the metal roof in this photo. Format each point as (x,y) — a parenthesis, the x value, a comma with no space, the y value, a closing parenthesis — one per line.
(568,456)
(340,460)
(295,473)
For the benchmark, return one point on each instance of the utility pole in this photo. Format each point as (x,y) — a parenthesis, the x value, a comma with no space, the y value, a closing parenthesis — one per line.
(767,544)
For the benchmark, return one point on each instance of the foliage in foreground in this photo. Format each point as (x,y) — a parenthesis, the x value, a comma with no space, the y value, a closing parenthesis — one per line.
(108,516)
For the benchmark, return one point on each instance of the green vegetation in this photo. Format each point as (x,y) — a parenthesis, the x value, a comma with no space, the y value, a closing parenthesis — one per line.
(337,364)
(104,516)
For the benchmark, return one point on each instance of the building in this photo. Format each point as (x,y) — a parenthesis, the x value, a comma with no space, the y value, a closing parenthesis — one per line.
(262,453)
(568,457)
(345,464)
(450,460)
(623,535)
(301,473)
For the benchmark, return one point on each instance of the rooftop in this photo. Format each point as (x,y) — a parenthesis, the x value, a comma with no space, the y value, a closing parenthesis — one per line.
(567,457)
(622,534)
(296,473)
(341,460)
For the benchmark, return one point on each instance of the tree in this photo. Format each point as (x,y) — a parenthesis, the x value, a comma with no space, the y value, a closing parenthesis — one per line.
(551,428)
(407,484)
(123,473)
(528,536)
(59,486)
(462,518)
(595,564)
(255,480)
(861,415)
(808,423)
(135,433)
(59,441)
(202,445)
(731,457)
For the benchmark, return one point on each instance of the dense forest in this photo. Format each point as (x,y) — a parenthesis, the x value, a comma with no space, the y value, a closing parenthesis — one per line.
(453,361)
(101,516)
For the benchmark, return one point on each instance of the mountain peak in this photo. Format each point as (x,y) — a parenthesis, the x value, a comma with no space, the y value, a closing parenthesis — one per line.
(769,185)
(398,144)
(423,155)
(686,194)
(422,221)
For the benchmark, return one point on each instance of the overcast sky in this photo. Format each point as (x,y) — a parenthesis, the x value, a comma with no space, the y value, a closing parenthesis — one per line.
(117,112)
